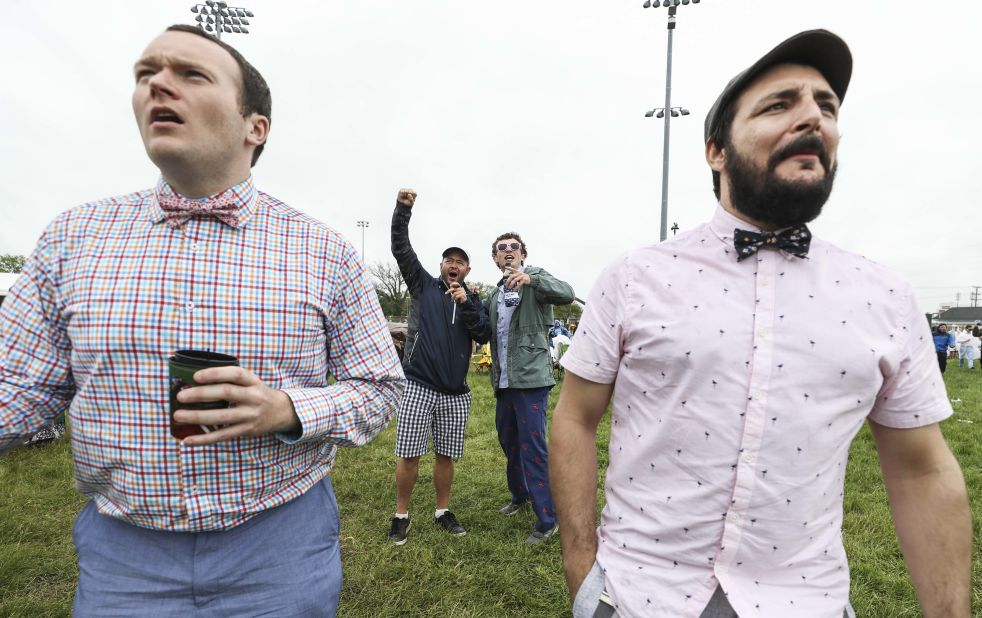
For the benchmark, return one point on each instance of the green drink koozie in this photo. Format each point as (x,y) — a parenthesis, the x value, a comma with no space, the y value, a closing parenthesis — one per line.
(182,367)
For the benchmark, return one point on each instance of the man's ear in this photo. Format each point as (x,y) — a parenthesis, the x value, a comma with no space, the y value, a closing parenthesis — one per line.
(715,156)
(258,130)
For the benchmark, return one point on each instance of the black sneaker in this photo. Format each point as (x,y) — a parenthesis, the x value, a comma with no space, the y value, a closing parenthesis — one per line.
(399,530)
(448,522)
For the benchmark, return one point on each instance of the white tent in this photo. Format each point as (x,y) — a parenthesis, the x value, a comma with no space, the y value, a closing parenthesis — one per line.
(6,281)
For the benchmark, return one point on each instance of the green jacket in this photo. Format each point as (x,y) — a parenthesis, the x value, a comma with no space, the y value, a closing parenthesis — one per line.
(529,361)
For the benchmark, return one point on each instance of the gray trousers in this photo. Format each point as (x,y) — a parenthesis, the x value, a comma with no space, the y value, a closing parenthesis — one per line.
(592,601)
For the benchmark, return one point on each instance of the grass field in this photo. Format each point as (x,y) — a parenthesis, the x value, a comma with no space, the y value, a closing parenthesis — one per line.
(489,572)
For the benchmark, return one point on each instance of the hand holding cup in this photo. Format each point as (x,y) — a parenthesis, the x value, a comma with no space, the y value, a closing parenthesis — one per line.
(221,403)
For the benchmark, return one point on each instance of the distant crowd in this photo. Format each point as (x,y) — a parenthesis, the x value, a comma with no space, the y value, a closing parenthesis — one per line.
(961,342)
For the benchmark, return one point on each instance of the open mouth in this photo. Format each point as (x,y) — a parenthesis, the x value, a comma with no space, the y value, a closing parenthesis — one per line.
(452,275)
(164,115)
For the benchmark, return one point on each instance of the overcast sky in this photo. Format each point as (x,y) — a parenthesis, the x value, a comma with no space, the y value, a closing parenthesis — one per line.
(515,115)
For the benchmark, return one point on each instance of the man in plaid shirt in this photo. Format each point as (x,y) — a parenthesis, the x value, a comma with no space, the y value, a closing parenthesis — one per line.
(241,520)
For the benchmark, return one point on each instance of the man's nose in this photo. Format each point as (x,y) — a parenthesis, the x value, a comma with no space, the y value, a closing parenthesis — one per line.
(809,117)
(162,84)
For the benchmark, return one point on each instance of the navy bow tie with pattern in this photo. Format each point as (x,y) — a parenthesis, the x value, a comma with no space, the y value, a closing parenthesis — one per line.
(794,240)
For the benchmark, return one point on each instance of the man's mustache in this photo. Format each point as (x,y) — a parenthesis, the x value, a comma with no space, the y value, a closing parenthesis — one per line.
(806,144)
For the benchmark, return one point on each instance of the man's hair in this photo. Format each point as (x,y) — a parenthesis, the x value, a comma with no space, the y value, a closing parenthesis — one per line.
(254,95)
(494,245)
(721,137)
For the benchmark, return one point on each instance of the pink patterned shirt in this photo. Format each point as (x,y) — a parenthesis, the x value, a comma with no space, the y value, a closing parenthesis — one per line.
(738,388)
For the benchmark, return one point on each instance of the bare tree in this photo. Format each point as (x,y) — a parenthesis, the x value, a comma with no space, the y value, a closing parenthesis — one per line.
(391,289)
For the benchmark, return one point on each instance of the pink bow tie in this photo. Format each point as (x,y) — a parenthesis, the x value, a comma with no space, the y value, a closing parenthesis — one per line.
(178,209)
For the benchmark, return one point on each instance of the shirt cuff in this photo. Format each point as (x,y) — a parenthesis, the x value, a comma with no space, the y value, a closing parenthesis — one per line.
(310,405)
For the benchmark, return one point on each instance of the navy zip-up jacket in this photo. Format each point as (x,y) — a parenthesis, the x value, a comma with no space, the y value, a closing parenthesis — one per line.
(437,353)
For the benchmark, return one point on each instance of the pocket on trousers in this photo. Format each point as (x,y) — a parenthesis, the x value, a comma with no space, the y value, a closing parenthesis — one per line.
(80,522)
(331,507)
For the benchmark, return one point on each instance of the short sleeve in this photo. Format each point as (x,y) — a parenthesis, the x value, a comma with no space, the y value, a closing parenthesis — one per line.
(914,394)
(595,351)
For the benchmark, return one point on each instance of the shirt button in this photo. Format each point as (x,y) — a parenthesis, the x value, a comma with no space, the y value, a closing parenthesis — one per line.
(748,457)
(193,247)
(193,490)
(189,306)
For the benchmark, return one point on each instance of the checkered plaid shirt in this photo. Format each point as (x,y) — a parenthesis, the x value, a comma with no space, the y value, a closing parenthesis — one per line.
(111,292)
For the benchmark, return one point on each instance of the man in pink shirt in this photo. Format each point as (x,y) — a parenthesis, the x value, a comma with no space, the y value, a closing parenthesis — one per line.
(726,468)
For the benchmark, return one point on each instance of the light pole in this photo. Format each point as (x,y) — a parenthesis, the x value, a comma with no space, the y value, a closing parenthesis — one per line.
(216,16)
(672,6)
(659,112)
(363,225)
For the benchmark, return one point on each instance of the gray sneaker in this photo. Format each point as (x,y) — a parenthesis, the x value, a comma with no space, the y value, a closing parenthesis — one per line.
(511,508)
(541,537)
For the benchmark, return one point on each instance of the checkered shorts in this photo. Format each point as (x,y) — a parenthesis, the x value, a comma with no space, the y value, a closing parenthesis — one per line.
(424,411)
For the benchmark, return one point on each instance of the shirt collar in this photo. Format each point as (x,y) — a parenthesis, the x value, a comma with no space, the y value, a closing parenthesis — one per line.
(244,194)
(724,222)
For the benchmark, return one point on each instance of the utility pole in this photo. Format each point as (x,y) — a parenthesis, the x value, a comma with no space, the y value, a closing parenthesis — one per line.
(975,295)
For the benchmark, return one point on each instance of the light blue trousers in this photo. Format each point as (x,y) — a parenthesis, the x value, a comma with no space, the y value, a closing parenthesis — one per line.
(283,562)
(966,353)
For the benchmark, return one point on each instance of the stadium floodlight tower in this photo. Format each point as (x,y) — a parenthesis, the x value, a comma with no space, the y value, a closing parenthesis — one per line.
(672,6)
(363,225)
(217,17)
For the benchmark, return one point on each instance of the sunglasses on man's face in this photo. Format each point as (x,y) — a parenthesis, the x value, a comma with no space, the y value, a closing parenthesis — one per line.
(505,246)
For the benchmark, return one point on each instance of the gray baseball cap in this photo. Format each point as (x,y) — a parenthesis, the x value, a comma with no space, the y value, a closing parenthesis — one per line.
(821,49)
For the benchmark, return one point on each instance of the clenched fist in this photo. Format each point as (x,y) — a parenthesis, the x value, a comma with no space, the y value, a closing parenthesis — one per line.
(406,197)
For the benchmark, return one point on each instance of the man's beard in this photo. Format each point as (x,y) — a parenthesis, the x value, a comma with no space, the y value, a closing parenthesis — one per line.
(772,201)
